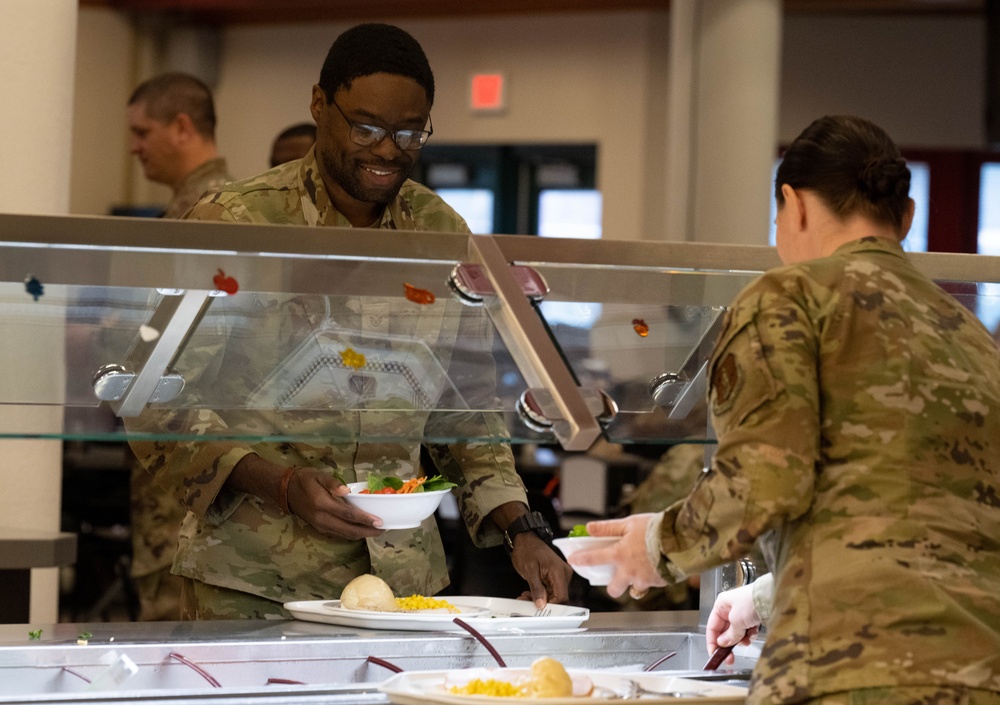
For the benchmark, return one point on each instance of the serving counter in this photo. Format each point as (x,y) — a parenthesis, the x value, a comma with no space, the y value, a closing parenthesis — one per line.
(412,335)
(303,662)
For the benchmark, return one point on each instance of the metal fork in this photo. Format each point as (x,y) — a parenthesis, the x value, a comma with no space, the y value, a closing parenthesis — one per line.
(542,612)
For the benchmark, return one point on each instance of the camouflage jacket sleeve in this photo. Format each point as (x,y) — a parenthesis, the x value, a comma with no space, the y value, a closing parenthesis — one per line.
(208,209)
(192,471)
(219,375)
(486,478)
(208,177)
(764,401)
(483,467)
(763,597)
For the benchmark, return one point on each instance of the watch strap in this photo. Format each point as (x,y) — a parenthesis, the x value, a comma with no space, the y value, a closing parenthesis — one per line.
(532,521)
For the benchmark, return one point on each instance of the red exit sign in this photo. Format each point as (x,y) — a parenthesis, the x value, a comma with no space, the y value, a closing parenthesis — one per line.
(488,92)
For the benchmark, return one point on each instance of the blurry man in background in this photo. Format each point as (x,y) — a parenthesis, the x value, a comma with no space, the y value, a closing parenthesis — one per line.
(171,120)
(293,143)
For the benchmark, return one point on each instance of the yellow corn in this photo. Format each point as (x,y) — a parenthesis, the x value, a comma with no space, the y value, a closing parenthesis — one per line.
(419,602)
(498,689)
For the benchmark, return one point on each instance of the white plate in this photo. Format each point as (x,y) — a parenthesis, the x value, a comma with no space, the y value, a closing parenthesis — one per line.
(486,614)
(422,687)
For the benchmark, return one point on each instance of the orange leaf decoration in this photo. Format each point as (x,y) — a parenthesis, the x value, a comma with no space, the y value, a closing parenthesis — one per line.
(418,296)
(224,283)
(640,327)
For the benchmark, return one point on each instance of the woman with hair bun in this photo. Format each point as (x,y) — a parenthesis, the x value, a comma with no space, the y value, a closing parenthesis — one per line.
(857,408)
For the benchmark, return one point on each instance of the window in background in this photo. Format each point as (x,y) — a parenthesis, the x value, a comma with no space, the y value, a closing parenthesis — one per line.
(989,209)
(463,187)
(473,204)
(988,306)
(772,236)
(570,213)
(920,192)
(497,188)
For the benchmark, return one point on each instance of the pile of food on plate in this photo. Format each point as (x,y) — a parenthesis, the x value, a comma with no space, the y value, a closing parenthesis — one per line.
(394,485)
(547,679)
(371,593)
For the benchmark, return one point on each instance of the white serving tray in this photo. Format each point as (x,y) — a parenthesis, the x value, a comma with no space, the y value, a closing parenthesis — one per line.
(486,614)
(424,687)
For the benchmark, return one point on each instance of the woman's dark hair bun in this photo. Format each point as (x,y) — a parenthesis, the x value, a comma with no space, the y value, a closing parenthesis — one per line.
(884,178)
(852,165)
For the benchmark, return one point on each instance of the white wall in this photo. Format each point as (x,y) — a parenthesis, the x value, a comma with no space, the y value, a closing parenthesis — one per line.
(37,52)
(578,77)
(104,81)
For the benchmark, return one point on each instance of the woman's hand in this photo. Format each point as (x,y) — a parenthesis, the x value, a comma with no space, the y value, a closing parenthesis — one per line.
(634,569)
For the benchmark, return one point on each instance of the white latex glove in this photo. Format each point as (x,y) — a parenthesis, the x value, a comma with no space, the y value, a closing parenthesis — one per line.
(734,620)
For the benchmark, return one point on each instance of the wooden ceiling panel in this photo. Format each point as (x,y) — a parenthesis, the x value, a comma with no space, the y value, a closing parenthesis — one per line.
(278,11)
(271,11)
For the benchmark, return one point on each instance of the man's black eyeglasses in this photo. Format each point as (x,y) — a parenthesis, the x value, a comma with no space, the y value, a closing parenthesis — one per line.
(371,135)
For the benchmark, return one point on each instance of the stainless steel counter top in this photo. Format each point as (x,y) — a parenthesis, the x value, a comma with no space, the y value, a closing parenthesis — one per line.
(255,660)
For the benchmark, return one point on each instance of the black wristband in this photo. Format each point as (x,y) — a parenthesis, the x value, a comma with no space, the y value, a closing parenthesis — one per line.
(532,521)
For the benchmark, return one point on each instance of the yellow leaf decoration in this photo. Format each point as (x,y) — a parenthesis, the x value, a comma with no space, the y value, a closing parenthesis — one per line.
(352,359)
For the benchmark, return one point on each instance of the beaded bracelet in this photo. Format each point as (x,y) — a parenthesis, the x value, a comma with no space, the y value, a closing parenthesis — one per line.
(283,488)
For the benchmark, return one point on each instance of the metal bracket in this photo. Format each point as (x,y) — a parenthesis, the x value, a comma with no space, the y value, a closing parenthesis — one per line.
(471,283)
(112,381)
(539,412)
(145,376)
(680,391)
(534,352)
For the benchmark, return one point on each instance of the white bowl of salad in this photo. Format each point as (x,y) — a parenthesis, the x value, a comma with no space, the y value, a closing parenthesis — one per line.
(580,540)
(400,504)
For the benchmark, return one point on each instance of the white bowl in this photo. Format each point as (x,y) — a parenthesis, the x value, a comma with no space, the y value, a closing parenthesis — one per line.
(596,574)
(397,511)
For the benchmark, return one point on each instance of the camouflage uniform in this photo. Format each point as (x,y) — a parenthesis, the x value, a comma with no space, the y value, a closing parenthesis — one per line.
(670,480)
(156,516)
(857,408)
(241,543)
(207,177)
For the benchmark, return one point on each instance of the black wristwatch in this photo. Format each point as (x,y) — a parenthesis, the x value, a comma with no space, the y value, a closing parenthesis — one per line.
(527,522)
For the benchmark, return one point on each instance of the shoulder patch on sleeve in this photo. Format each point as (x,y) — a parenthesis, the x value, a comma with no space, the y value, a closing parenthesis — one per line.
(726,381)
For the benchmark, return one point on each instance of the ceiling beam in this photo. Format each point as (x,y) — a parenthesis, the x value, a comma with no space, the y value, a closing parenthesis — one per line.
(222,12)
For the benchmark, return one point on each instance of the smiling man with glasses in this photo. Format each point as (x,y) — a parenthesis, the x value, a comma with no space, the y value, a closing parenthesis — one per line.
(370,139)
(372,108)
(267,522)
